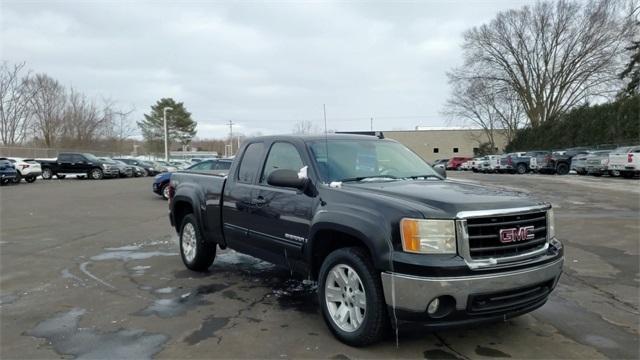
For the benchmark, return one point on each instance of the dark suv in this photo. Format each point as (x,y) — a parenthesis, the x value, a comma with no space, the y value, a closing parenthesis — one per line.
(559,162)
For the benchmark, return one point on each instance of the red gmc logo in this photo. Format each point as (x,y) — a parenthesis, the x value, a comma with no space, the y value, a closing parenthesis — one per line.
(516,234)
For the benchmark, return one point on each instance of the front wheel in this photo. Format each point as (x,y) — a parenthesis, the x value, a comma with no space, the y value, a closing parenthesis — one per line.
(96,174)
(521,169)
(351,297)
(30,178)
(165,191)
(17,179)
(47,174)
(197,255)
(562,169)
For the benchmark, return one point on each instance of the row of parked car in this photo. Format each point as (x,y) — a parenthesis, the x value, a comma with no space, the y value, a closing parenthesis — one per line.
(161,181)
(83,165)
(621,161)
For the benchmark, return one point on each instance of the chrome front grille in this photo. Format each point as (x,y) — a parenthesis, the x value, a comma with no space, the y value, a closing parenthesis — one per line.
(490,238)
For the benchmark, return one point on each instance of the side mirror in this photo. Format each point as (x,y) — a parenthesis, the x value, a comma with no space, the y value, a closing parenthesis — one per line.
(286,178)
(440,170)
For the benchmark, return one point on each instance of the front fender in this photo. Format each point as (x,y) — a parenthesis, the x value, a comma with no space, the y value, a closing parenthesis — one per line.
(366,225)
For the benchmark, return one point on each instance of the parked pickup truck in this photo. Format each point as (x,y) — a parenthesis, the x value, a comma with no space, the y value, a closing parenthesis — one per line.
(387,237)
(625,161)
(82,164)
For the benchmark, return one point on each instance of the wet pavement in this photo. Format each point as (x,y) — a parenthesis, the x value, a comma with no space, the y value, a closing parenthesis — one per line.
(90,270)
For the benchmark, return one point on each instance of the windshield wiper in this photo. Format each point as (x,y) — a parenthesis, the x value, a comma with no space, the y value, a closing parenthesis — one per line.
(422,176)
(360,178)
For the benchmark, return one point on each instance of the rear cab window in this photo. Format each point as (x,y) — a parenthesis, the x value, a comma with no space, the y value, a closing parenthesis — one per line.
(250,163)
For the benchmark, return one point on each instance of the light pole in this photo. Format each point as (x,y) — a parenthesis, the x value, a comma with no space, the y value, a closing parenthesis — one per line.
(166,132)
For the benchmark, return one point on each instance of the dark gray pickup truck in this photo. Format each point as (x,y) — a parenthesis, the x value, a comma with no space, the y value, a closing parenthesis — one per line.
(387,237)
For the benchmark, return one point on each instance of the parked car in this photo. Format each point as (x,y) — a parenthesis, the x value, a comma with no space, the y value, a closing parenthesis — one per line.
(559,162)
(455,162)
(27,169)
(465,165)
(440,161)
(490,164)
(579,163)
(161,181)
(596,163)
(625,160)
(180,165)
(137,170)
(8,172)
(124,170)
(82,164)
(377,227)
(516,162)
(476,163)
(149,168)
(166,165)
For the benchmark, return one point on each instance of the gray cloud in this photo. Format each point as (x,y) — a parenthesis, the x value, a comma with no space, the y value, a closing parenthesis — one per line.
(262,65)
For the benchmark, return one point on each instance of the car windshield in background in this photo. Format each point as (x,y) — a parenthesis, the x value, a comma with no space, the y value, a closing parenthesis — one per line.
(90,157)
(342,160)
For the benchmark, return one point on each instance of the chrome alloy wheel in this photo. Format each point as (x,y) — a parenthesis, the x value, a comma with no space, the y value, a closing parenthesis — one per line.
(345,297)
(189,242)
(165,192)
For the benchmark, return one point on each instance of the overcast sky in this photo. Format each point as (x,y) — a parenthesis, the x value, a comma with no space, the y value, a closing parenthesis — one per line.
(263,65)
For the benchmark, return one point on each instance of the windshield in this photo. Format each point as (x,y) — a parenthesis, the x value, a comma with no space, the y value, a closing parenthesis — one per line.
(354,159)
(90,157)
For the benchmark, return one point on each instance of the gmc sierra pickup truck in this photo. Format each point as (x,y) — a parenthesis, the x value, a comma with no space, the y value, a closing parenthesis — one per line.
(82,164)
(388,238)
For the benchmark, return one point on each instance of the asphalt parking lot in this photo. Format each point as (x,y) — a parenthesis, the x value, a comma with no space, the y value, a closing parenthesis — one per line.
(90,269)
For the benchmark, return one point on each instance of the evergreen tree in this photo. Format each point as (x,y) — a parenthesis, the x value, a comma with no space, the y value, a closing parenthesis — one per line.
(181,127)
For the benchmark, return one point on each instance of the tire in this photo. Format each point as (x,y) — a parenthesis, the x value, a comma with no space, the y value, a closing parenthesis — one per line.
(96,174)
(614,173)
(562,169)
(47,174)
(375,322)
(165,191)
(627,174)
(61,176)
(197,254)
(521,169)
(17,179)
(30,179)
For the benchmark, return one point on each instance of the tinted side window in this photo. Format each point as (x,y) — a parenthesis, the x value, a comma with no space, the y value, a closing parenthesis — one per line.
(78,158)
(65,158)
(223,165)
(250,163)
(281,156)
(205,165)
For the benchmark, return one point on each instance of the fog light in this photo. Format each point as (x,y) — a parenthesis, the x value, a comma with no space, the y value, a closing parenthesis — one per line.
(433,306)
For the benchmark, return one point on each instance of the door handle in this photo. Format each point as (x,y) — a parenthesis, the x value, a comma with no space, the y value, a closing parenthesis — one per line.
(259,201)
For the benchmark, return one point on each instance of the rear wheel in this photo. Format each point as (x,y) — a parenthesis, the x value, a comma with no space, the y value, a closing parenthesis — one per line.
(197,255)
(562,169)
(521,169)
(47,174)
(351,297)
(17,178)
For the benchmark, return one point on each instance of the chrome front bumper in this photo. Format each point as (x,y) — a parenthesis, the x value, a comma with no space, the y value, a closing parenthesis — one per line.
(413,293)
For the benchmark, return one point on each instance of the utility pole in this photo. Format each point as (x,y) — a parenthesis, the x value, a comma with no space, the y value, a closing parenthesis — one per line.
(166,133)
(324,109)
(230,138)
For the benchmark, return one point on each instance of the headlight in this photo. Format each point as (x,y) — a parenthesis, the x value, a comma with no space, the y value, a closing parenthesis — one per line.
(428,236)
(551,224)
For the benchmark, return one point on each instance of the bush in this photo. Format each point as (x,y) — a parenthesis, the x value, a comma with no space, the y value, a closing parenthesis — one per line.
(617,123)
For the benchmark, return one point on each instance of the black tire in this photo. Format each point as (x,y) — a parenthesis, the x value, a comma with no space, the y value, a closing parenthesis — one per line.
(96,174)
(163,191)
(627,174)
(17,179)
(562,169)
(376,320)
(61,176)
(47,174)
(205,252)
(521,169)
(30,178)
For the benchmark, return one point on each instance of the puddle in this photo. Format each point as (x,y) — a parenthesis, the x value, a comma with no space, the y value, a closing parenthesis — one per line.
(490,352)
(207,330)
(300,295)
(127,255)
(62,332)
(8,299)
(166,308)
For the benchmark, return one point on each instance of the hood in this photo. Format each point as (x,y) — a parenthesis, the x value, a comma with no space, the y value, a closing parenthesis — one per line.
(446,198)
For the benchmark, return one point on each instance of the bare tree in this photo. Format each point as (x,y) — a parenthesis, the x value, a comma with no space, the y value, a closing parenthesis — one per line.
(48,108)
(14,108)
(305,127)
(553,55)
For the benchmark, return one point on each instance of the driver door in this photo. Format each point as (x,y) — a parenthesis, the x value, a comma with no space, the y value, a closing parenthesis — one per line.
(282,216)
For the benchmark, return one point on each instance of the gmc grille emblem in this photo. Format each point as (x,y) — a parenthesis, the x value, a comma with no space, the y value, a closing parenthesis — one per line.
(516,234)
